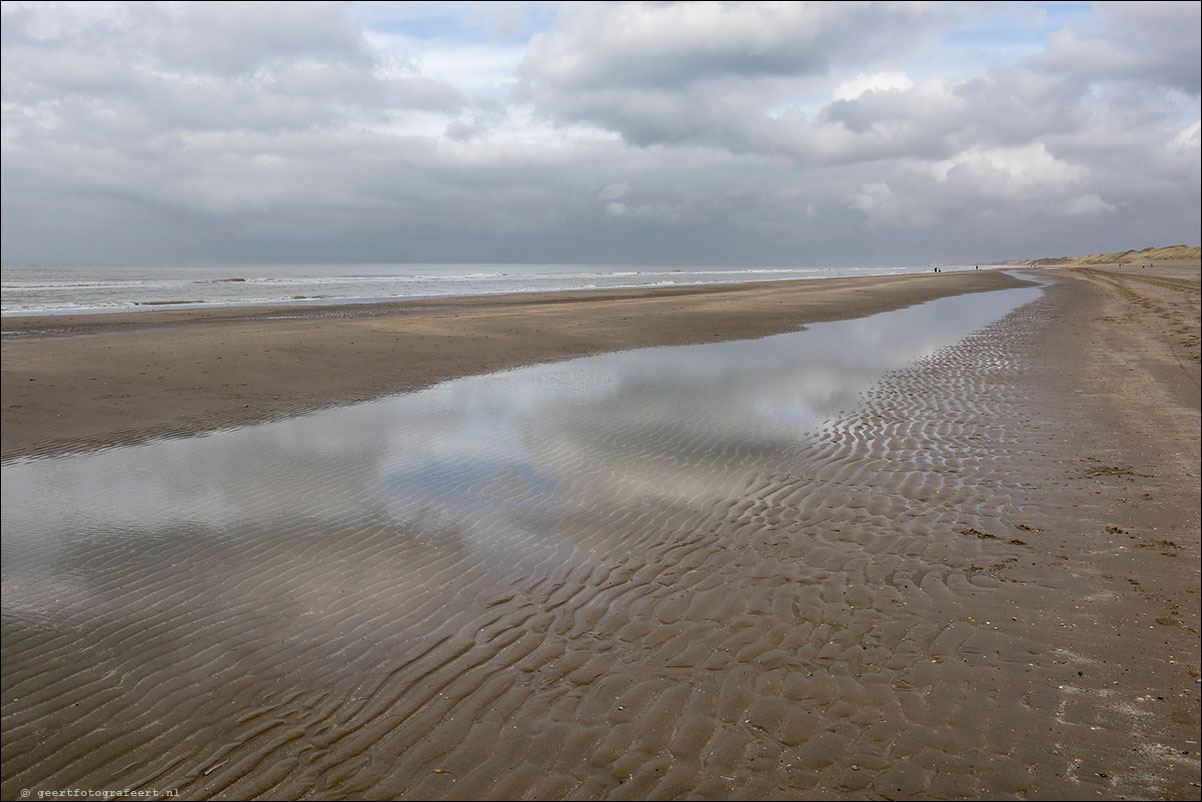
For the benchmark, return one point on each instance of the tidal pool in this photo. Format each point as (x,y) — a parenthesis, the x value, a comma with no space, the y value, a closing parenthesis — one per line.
(471,459)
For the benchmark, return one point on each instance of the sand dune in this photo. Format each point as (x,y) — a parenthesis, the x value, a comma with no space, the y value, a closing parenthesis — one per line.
(1175,254)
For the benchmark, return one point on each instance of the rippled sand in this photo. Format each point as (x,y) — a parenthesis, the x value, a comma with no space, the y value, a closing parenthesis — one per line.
(978,580)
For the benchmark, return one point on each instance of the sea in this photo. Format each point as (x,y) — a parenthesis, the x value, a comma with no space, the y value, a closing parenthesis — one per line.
(53,289)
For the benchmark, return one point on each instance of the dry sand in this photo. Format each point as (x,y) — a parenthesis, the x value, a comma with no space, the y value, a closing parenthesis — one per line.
(983,583)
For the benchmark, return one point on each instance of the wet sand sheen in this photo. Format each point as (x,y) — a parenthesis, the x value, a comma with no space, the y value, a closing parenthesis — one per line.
(75,382)
(875,607)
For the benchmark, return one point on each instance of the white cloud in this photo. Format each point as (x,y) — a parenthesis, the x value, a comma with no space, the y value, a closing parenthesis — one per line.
(1087,204)
(1012,172)
(883,207)
(1188,139)
(877,82)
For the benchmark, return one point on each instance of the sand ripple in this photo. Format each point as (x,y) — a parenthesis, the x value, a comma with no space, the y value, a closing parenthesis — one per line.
(834,614)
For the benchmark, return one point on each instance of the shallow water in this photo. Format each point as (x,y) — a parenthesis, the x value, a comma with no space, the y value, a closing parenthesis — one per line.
(31,289)
(272,609)
(483,446)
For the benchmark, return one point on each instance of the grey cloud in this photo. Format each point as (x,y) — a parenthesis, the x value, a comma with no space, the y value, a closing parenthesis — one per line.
(1004,108)
(238,38)
(210,66)
(623,45)
(121,142)
(651,91)
(701,72)
(1154,43)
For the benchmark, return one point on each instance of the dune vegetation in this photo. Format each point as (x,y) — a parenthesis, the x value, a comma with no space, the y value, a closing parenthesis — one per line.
(1171,253)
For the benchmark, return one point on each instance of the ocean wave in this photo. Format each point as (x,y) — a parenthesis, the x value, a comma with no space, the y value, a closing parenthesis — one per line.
(30,294)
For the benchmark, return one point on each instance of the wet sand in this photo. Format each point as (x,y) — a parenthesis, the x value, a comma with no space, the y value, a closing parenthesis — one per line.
(981,582)
(75,382)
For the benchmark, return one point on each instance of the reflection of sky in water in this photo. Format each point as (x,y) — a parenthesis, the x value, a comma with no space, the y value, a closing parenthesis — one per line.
(481,458)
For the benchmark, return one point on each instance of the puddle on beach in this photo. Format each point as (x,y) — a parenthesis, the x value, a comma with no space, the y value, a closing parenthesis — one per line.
(479,460)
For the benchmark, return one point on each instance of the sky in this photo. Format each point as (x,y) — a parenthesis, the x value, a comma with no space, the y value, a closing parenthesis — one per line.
(597,133)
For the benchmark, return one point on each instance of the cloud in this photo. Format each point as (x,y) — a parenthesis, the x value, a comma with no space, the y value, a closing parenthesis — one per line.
(1188,139)
(877,82)
(1012,172)
(671,46)
(688,72)
(1150,43)
(204,66)
(883,207)
(765,133)
(1087,204)
(240,38)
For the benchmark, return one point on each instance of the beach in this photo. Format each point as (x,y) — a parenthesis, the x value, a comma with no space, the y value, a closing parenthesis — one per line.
(81,381)
(976,577)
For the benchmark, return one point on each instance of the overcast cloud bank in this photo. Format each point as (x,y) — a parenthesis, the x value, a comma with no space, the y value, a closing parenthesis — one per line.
(831,133)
